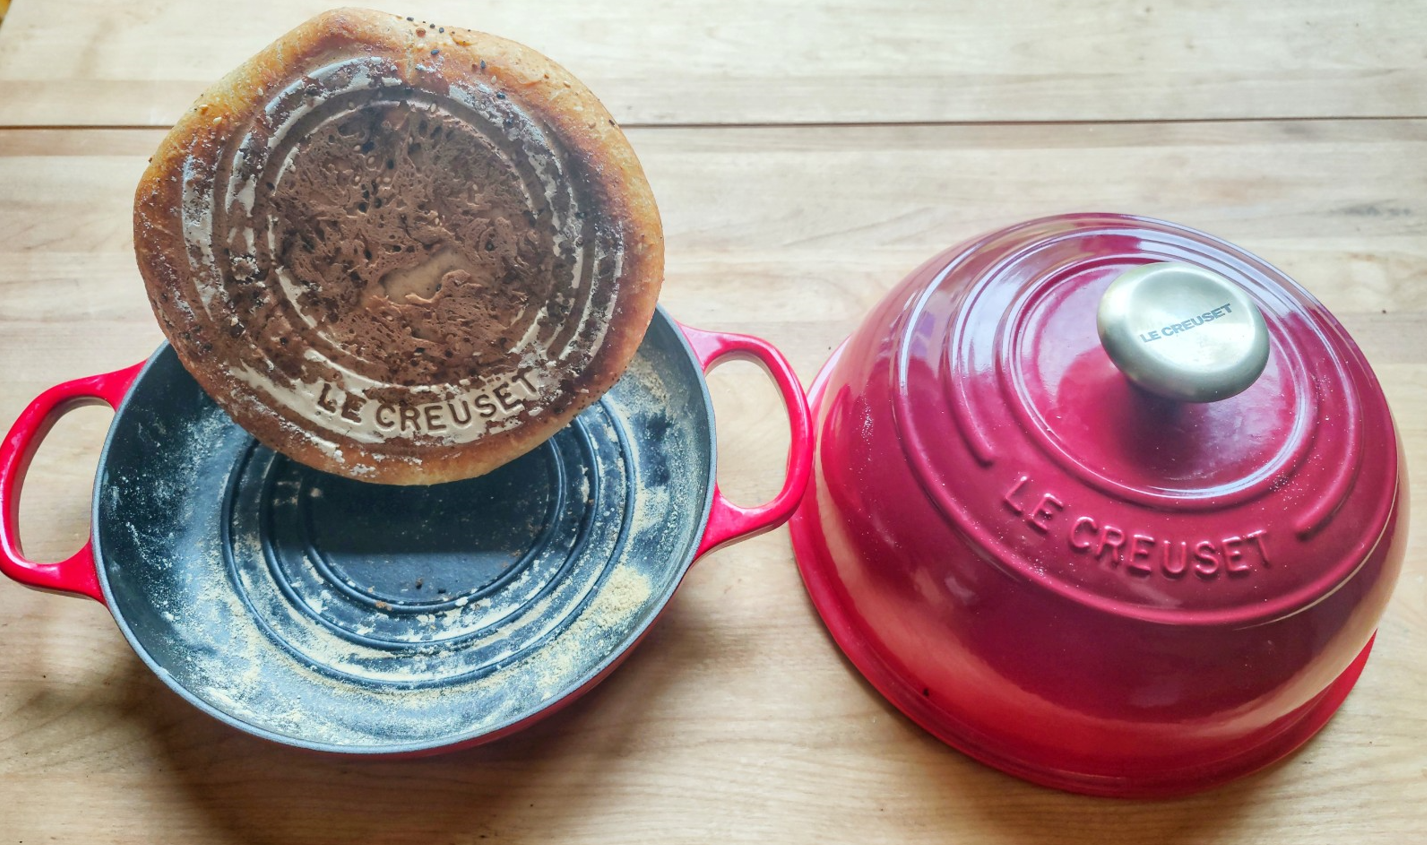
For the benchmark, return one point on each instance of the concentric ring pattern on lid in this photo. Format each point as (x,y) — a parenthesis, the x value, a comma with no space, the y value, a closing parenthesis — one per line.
(1025,434)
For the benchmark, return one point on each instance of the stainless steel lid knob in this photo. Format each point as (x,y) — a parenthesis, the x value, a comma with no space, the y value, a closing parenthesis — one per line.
(1183,332)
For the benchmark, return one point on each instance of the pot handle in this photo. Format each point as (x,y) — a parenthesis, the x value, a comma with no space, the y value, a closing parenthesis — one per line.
(76,575)
(729,522)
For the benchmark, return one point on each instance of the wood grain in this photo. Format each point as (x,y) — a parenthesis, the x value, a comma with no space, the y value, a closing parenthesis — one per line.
(737,720)
(96,62)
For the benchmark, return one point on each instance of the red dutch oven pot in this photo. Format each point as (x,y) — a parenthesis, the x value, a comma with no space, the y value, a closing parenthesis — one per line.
(336,615)
(1130,541)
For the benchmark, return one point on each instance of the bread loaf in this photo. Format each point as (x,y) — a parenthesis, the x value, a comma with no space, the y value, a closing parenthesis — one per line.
(397,250)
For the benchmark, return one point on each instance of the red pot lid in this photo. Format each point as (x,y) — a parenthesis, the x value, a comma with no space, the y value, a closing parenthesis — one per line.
(1215,512)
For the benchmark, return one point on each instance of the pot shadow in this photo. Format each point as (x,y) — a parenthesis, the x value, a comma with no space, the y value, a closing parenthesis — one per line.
(1037,815)
(259,791)
(947,790)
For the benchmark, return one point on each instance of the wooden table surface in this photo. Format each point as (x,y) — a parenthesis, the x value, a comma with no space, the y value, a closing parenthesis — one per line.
(805,155)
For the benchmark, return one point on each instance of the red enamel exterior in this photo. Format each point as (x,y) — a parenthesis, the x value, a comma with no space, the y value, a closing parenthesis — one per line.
(75,574)
(1072,580)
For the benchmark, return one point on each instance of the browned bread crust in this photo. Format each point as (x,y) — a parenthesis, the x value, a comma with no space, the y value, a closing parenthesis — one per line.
(399,251)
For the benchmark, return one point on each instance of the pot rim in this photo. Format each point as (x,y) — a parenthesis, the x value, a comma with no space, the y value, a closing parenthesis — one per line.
(601,668)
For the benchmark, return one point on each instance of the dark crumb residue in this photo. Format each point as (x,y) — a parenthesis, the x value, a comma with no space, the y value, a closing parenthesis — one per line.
(483,64)
(435,52)
(435,252)
(500,95)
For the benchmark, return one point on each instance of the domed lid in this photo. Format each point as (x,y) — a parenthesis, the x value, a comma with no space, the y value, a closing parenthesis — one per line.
(1146,419)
